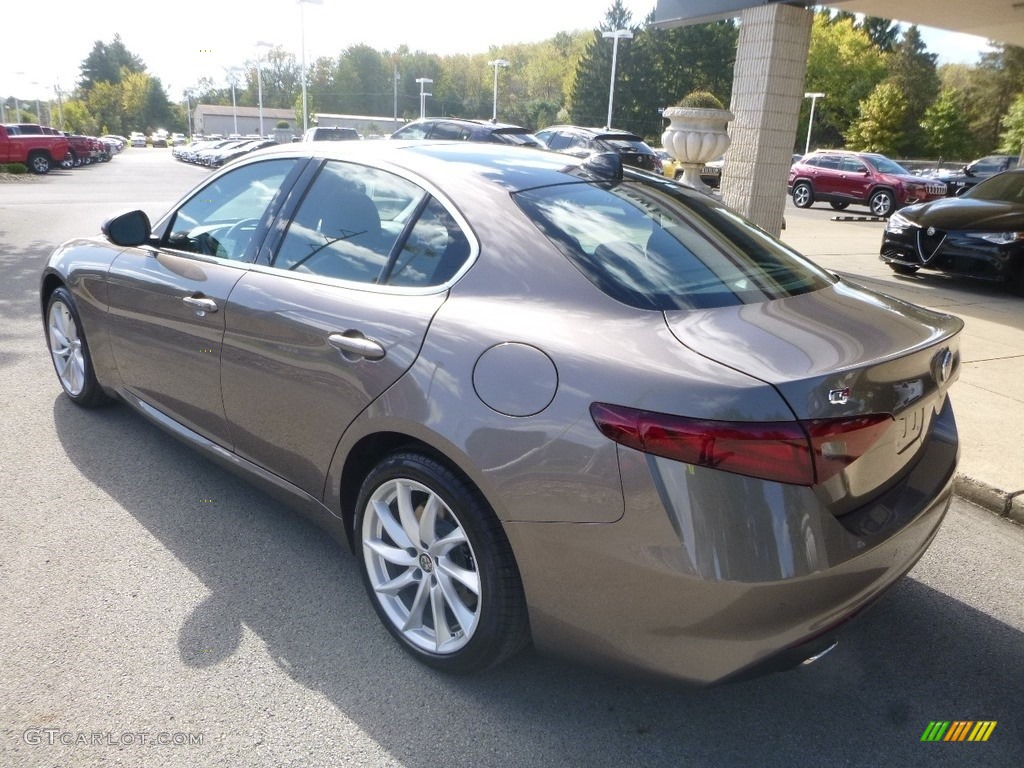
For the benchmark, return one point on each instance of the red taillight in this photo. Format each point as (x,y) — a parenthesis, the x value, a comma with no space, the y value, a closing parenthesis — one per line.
(797,452)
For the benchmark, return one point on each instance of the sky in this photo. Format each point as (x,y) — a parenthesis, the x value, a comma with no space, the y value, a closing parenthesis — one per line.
(185,40)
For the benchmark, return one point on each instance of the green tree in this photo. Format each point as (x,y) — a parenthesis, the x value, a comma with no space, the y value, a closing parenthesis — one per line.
(947,129)
(999,80)
(912,70)
(885,34)
(1011,140)
(880,125)
(107,63)
(845,65)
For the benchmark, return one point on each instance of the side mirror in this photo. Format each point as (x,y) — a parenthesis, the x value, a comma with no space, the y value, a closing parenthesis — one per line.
(128,229)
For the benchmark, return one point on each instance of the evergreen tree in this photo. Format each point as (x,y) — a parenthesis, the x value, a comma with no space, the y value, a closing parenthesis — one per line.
(912,71)
(105,64)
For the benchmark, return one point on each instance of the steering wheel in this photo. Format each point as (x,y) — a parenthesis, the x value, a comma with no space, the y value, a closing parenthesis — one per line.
(227,248)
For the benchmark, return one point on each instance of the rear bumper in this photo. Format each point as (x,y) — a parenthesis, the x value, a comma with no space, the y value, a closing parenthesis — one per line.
(710,577)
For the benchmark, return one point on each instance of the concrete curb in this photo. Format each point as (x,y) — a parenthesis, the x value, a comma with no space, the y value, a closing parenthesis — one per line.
(1008,504)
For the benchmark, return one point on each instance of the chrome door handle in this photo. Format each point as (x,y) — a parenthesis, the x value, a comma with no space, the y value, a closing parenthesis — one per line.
(358,346)
(201,303)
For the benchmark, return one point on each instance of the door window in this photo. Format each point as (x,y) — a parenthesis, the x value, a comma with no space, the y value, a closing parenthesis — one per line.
(220,219)
(348,223)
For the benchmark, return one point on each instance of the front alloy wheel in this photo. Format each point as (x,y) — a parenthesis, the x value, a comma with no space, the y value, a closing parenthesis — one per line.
(437,565)
(69,351)
(882,203)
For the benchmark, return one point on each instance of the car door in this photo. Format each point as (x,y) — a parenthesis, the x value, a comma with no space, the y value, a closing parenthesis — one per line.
(854,182)
(166,302)
(826,177)
(337,316)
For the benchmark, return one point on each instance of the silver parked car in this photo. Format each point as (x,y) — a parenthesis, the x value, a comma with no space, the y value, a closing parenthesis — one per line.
(542,398)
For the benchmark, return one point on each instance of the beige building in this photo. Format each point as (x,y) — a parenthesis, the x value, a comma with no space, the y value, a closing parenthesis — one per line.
(213,118)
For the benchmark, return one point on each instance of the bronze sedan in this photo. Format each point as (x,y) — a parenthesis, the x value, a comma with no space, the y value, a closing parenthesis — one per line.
(542,398)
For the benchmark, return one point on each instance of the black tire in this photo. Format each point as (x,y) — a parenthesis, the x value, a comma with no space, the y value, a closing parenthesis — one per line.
(882,203)
(39,162)
(840,206)
(803,195)
(68,161)
(409,578)
(69,351)
(903,269)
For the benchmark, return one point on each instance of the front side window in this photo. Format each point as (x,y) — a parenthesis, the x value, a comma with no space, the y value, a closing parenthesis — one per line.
(220,219)
(652,246)
(413,131)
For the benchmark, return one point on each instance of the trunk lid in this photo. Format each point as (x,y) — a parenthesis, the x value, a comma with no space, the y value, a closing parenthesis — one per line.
(840,352)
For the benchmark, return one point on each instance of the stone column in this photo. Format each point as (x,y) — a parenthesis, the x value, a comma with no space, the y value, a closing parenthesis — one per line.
(767,91)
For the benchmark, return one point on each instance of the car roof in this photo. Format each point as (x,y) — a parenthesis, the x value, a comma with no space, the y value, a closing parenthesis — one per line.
(513,168)
(595,132)
(469,121)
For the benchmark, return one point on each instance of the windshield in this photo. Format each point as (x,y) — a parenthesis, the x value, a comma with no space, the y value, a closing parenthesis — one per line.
(885,165)
(652,246)
(1006,187)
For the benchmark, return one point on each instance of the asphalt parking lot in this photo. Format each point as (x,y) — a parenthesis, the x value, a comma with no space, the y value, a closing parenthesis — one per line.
(148,596)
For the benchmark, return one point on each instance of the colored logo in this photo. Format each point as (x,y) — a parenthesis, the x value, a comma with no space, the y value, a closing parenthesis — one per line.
(958,730)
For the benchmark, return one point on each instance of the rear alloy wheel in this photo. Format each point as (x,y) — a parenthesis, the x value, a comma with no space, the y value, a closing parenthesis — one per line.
(882,203)
(437,565)
(903,269)
(39,163)
(70,353)
(68,161)
(803,195)
(840,206)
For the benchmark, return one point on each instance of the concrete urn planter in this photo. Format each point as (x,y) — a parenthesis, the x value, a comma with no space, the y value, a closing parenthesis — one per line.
(695,136)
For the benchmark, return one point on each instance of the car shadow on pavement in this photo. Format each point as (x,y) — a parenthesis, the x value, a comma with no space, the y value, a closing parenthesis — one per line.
(918,656)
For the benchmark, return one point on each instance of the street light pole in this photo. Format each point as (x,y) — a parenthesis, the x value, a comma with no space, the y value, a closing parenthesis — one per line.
(423,95)
(814,98)
(305,111)
(394,81)
(615,36)
(259,79)
(496,63)
(233,79)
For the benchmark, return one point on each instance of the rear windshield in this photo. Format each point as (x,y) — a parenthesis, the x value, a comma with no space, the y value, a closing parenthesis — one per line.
(335,134)
(517,136)
(651,245)
(622,143)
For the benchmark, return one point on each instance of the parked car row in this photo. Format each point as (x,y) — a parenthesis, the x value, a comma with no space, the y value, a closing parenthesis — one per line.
(214,153)
(41,147)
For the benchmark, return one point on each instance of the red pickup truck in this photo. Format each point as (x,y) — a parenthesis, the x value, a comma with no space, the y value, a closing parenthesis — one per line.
(38,151)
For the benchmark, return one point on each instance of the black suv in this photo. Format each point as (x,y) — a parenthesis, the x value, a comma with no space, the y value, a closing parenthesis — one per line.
(574,140)
(460,129)
(958,182)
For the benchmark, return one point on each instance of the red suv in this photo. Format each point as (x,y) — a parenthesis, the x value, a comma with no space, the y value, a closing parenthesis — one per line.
(858,178)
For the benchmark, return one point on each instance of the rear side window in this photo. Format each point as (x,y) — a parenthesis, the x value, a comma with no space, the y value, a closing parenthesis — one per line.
(449,132)
(831,162)
(653,247)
